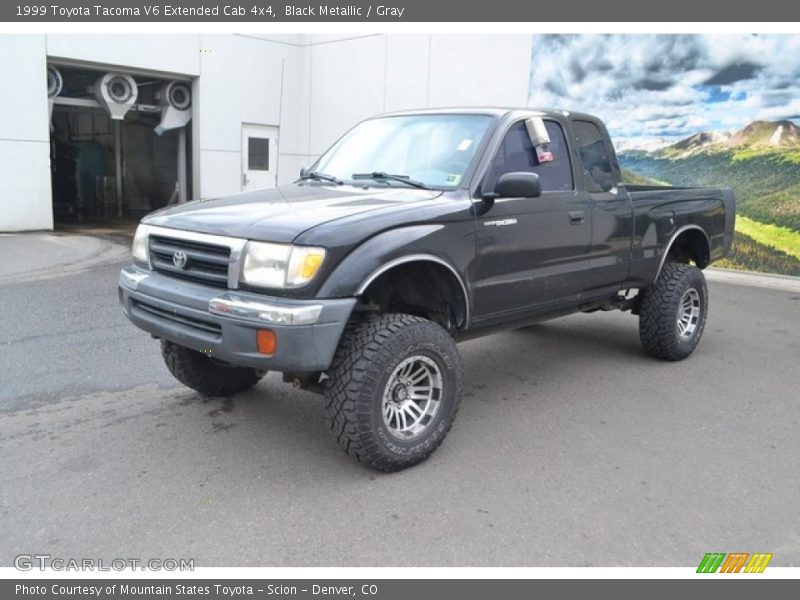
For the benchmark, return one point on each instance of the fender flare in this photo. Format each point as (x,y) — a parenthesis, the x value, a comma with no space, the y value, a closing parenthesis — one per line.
(385,251)
(680,231)
(418,258)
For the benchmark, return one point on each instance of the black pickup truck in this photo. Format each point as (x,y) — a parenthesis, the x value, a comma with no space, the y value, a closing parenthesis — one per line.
(414,231)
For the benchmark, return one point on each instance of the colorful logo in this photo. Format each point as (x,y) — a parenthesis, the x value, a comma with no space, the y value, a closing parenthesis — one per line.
(735,562)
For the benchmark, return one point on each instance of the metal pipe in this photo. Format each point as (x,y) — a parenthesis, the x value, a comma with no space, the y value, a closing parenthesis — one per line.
(182,191)
(118,165)
(92,103)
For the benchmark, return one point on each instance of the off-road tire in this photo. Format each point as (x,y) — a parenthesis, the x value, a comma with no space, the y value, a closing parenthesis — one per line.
(661,308)
(371,350)
(206,375)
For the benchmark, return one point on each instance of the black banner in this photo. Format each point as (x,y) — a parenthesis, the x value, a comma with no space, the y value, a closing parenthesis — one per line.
(267,11)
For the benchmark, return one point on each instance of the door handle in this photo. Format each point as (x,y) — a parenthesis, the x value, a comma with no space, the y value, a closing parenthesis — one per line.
(576,217)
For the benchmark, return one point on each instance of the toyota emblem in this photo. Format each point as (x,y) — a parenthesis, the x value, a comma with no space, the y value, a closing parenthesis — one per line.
(179,259)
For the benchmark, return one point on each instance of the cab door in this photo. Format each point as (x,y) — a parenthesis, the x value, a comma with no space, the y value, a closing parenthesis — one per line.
(531,252)
(611,208)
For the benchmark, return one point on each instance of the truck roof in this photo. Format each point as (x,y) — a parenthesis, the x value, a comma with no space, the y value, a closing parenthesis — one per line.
(495,111)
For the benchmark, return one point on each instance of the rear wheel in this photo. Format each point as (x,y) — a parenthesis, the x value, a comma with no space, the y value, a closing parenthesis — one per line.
(673,312)
(393,390)
(206,375)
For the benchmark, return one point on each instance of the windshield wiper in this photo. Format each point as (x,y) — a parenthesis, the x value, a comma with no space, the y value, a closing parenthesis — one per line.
(317,176)
(383,176)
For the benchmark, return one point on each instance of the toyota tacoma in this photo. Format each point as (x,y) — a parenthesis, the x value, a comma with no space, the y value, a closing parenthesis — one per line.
(414,231)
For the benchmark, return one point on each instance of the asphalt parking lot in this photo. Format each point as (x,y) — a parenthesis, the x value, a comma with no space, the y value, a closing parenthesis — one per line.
(572,448)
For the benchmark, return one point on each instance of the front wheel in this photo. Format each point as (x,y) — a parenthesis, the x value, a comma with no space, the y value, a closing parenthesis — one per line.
(673,312)
(393,390)
(206,375)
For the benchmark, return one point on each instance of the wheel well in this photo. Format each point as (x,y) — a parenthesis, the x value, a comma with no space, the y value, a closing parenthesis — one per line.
(690,246)
(422,288)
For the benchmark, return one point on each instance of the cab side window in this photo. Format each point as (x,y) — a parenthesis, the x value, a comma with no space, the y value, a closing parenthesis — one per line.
(595,157)
(516,153)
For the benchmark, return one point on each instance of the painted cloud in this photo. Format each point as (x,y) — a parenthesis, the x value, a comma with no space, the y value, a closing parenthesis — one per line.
(663,87)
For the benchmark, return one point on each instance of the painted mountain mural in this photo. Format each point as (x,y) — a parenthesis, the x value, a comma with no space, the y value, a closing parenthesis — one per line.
(717,110)
(761,162)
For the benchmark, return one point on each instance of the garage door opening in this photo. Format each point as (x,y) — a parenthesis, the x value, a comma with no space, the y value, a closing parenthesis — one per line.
(119,147)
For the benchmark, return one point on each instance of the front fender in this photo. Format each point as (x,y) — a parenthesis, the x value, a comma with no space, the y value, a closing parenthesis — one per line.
(369,258)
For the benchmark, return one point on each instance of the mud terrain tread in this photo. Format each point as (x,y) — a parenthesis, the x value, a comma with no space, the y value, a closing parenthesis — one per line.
(202,374)
(357,367)
(658,312)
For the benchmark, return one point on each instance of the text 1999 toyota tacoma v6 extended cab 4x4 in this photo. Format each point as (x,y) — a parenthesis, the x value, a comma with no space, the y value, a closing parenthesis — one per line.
(416,230)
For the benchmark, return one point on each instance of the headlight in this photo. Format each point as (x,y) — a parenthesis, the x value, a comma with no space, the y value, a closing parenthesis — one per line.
(303,265)
(140,251)
(280,265)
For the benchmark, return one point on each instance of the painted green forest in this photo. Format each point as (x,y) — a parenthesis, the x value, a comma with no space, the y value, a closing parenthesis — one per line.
(762,164)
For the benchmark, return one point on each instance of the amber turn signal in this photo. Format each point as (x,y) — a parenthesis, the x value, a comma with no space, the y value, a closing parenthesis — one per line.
(267,341)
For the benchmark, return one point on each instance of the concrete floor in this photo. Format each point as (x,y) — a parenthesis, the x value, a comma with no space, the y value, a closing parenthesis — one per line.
(571,448)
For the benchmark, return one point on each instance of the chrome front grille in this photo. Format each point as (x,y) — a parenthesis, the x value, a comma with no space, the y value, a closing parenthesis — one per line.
(190,259)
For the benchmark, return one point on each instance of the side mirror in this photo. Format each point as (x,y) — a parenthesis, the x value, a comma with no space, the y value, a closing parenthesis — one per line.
(305,171)
(518,184)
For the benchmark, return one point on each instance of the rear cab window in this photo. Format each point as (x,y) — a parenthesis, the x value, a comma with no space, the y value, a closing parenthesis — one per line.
(595,156)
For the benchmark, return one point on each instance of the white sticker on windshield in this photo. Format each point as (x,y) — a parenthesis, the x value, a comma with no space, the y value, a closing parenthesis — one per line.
(464,145)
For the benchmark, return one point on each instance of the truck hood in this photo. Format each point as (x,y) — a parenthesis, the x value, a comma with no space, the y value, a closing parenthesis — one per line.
(281,214)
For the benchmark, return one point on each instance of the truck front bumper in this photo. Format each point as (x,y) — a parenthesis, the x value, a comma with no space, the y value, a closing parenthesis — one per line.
(223,324)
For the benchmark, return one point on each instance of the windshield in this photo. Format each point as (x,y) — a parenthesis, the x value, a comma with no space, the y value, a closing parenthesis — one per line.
(433,150)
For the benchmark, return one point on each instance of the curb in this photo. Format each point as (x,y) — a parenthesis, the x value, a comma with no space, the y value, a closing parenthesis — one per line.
(107,252)
(784,283)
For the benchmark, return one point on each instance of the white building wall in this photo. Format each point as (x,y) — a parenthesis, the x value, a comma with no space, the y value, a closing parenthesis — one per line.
(314,87)
(359,76)
(408,71)
(347,84)
(25,198)
(295,111)
(483,70)
(167,53)
(243,80)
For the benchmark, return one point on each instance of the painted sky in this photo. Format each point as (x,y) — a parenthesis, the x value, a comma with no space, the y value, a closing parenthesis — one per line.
(649,87)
